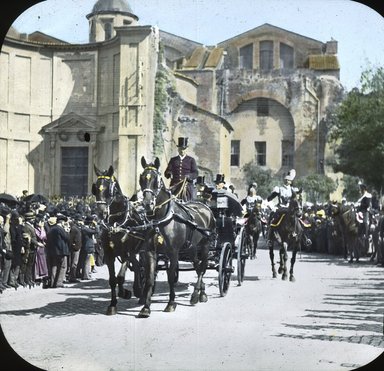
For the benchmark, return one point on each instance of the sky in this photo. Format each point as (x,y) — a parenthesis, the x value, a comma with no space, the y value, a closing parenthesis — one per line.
(358,28)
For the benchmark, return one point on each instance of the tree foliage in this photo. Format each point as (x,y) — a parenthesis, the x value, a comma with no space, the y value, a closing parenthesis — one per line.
(351,188)
(317,187)
(358,130)
(264,179)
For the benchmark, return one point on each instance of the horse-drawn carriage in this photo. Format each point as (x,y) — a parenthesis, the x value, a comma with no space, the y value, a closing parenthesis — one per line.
(166,230)
(231,240)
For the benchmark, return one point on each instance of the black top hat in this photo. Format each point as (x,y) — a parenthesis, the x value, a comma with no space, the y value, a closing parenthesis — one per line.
(200,180)
(182,142)
(219,178)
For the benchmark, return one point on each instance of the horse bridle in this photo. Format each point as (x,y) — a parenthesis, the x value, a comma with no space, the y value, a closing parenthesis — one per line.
(111,189)
(160,183)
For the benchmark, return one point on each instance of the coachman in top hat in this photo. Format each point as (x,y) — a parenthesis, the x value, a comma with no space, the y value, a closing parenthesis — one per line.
(179,168)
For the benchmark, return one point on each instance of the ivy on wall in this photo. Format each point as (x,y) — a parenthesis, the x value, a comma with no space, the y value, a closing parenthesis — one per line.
(164,91)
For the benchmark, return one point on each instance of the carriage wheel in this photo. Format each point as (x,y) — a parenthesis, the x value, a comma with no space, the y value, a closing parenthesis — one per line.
(242,255)
(225,268)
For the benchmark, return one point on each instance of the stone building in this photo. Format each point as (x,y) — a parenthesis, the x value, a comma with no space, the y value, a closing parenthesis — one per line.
(260,96)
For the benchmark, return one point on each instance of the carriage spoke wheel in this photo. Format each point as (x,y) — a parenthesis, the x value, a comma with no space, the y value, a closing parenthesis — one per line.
(225,268)
(242,255)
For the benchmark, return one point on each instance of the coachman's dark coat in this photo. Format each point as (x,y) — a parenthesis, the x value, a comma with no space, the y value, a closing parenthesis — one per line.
(179,169)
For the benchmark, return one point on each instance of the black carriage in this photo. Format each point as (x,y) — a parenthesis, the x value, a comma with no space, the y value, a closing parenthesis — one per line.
(230,242)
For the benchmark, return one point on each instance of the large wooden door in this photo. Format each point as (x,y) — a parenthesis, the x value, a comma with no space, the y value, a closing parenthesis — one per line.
(74,171)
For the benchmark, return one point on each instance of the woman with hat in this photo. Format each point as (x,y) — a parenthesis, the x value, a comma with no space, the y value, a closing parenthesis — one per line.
(181,169)
(41,268)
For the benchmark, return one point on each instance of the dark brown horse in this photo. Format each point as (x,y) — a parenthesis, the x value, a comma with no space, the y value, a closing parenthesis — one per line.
(175,229)
(118,216)
(253,228)
(346,216)
(286,230)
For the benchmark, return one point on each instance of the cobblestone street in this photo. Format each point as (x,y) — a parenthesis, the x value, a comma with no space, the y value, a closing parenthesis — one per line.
(331,318)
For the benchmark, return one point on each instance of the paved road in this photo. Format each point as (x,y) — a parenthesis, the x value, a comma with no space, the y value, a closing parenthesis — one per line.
(331,318)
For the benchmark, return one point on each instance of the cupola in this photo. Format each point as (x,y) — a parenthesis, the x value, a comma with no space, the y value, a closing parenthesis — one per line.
(106,15)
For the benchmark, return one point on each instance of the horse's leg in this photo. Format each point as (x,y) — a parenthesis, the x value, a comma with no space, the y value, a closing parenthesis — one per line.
(281,255)
(293,260)
(284,258)
(150,269)
(251,246)
(123,292)
(255,242)
(200,266)
(171,306)
(271,256)
(112,282)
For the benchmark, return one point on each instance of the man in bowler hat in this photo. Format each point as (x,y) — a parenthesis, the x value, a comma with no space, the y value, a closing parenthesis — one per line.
(180,168)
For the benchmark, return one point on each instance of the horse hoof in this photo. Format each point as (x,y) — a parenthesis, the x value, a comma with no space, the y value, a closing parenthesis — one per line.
(111,311)
(125,294)
(292,278)
(170,307)
(284,277)
(274,275)
(144,313)
(203,298)
(194,298)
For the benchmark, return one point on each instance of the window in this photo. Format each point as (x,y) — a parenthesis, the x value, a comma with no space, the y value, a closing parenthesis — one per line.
(262,107)
(287,153)
(108,30)
(261,153)
(235,153)
(266,55)
(286,56)
(246,57)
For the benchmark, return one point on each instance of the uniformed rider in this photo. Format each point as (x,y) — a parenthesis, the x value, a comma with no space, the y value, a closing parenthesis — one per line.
(363,208)
(251,200)
(284,194)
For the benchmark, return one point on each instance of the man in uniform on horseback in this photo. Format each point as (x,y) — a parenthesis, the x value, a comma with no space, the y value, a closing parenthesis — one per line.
(182,170)
(284,194)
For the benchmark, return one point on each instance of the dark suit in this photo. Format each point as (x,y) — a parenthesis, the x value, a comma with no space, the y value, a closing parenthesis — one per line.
(178,169)
(57,252)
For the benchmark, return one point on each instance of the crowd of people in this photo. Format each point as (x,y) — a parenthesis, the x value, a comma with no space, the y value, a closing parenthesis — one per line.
(48,244)
(54,242)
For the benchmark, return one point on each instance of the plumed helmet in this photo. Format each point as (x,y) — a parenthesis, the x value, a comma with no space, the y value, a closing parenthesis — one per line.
(291,175)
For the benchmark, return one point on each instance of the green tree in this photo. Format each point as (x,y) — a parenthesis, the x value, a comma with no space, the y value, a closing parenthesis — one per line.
(264,179)
(357,130)
(351,188)
(317,187)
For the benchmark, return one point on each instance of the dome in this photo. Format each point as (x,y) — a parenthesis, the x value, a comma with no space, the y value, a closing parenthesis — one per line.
(112,6)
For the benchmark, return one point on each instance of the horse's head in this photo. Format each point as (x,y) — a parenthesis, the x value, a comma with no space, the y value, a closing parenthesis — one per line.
(151,183)
(294,205)
(105,188)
